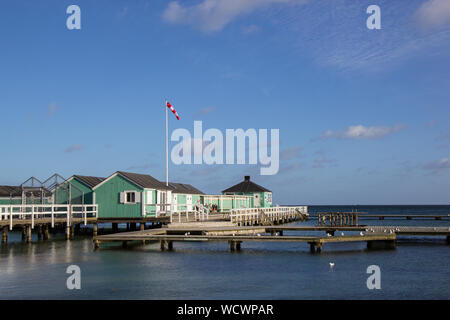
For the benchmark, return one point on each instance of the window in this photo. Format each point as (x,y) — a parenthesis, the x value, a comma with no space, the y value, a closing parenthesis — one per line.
(131,197)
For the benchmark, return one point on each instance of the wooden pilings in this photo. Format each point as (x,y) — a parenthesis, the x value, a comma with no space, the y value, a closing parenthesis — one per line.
(95,230)
(235,246)
(5,234)
(164,244)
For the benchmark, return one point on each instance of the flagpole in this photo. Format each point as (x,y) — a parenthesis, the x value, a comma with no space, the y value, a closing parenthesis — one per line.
(167,148)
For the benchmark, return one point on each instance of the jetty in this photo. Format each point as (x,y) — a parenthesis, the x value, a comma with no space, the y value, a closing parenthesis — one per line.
(374,236)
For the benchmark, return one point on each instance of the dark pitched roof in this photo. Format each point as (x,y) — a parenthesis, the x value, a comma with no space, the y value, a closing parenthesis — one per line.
(7,191)
(246,186)
(89,181)
(184,188)
(144,180)
(16,191)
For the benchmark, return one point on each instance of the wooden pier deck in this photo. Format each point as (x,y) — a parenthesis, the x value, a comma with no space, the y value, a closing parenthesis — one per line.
(374,236)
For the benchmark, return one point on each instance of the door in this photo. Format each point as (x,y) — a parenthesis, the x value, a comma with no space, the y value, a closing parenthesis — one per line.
(189,202)
(256,200)
(175,201)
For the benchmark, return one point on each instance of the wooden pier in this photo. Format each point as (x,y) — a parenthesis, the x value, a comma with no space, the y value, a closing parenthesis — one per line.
(268,216)
(353,218)
(374,236)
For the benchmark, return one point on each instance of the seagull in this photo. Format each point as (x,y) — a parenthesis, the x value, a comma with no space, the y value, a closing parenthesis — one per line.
(259,234)
(361,233)
(187,233)
(342,233)
(234,234)
(328,235)
(331,265)
(277,233)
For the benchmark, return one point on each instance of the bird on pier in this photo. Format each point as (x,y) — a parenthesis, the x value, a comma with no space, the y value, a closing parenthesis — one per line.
(259,234)
(361,233)
(342,234)
(328,234)
(187,233)
(277,233)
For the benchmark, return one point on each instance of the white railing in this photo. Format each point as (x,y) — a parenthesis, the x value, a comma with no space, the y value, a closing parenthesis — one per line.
(250,216)
(198,211)
(34,212)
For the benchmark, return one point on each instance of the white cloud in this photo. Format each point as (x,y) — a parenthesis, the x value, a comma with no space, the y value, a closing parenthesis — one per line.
(434,13)
(75,147)
(438,166)
(361,132)
(214,15)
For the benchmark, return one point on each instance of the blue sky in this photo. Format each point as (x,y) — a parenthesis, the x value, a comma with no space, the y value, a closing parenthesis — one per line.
(363,114)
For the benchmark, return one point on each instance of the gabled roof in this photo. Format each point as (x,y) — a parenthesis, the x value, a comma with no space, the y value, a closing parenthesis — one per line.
(184,188)
(88,180)
(8,191)
(246,186)
(141,180)
(16,191)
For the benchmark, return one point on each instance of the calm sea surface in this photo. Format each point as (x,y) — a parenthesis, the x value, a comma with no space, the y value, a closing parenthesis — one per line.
(415,270)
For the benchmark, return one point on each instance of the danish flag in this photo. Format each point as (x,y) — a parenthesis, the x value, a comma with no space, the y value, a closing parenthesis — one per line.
(172,109)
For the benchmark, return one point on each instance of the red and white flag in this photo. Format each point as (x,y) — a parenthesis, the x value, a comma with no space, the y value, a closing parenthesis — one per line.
(173,110)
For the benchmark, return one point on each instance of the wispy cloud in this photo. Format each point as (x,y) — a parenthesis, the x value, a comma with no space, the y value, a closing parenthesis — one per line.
(213,15)
(438,166)
(205,111)
(322,161)
(51,109)
(75,147)
(250,29)
(434,14)
(361,132)
(290,153)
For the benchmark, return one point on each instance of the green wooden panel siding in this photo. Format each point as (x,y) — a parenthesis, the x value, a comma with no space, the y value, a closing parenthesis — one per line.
(5,201)
(107,196)
(77,190)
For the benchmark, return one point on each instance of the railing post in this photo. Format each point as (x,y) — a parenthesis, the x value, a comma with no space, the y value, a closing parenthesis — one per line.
(53,216)
(10,218)
(32,217)
(85,214)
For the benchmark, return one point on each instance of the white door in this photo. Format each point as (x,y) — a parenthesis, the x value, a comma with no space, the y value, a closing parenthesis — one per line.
(256,200)
(189,202)
(175,201)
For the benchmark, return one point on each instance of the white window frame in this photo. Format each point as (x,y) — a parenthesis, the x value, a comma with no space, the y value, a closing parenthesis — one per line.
(135,197)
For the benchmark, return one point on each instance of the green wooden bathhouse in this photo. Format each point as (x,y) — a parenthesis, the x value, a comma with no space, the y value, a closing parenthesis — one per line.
(260,196)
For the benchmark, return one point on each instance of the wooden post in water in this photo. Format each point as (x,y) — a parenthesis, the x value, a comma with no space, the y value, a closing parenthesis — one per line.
(46,232)
(170,245)
(142,226)
(115,227)
(72,232)
(39,232)
(162,245)
(95,230)
(28,234)
(24,233)
(67,231)
(5,234)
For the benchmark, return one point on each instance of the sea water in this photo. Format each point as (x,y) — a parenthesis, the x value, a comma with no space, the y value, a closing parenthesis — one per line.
(418,269)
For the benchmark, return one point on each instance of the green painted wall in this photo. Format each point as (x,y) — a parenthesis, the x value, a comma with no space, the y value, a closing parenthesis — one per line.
(76,196)
(107,197)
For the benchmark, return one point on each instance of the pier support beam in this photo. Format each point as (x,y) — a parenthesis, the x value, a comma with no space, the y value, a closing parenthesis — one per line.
(162,245)
(72,232)
(142,226)
(448,239)
(170,245)
(315,247)
(235,246)
(133,226)
(5,234)
(24,233)
(96,244)
(40,235)
(95,230)
(115,227)
(46,232)
(67,232)
(28,234)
